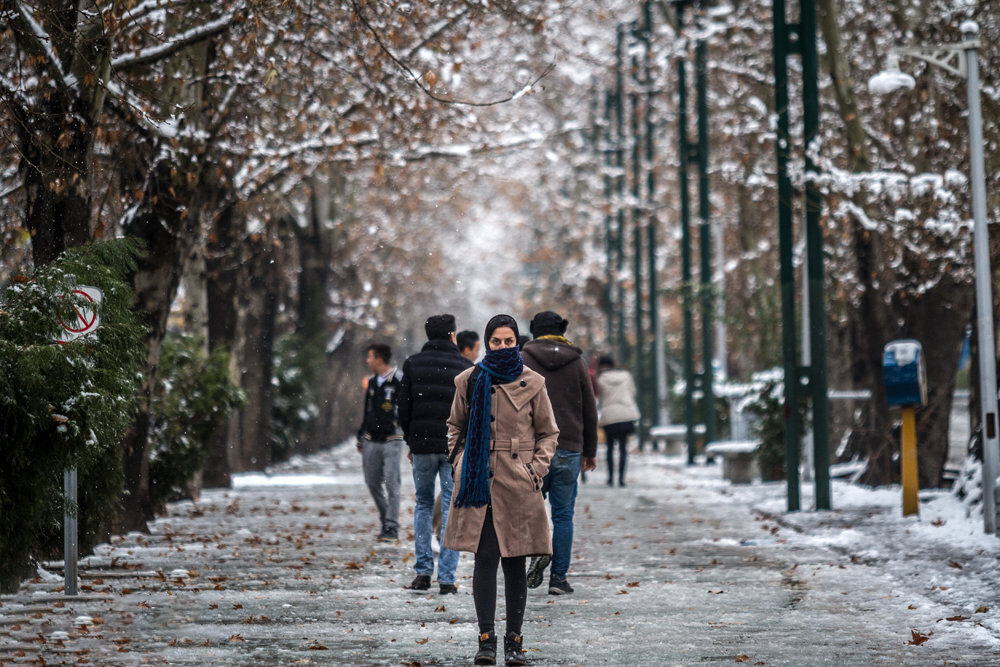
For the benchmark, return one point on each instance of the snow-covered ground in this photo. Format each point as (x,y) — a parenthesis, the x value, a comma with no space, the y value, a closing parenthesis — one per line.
(678,568)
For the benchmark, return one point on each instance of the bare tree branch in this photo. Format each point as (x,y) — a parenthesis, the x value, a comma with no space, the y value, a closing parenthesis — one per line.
(35,40)
(174,44)
(417,78)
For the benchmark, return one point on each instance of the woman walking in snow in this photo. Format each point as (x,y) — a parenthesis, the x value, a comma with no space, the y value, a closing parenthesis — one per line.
(502,434)
(618,412)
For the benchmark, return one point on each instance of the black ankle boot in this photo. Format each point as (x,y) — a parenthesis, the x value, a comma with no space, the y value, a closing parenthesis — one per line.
(487,654)
(513,654)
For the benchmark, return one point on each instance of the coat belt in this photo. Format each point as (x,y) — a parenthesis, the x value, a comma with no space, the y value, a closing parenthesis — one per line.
(504,445)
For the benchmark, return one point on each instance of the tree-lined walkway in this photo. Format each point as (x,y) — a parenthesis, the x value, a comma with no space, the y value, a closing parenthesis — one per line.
(676,568)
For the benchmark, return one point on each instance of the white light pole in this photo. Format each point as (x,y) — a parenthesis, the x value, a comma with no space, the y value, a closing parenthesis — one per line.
(962,59)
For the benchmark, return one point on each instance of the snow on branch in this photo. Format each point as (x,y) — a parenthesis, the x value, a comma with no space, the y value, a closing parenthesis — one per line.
(13,93)
(148,7)
(417,78)
(173,44)
(38,42)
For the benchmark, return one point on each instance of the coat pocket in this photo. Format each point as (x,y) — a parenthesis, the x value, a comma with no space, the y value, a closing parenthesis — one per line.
(525,451)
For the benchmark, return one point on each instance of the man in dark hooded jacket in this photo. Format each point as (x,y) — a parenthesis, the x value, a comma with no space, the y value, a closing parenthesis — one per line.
(425,398)
(567,381)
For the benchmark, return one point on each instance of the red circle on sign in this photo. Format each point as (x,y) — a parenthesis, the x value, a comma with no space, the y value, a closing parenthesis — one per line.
(84,324)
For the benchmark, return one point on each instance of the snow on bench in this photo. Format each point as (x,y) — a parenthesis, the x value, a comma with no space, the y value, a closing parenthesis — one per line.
(673,437)
(739,465)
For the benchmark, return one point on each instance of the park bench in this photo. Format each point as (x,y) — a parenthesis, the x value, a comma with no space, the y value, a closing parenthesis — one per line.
(739,465)
(673,437)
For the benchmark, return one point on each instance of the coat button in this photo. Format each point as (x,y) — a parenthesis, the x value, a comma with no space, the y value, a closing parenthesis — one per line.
(491,473)
(493,390)
(493,418)
(523,383)
(514,455)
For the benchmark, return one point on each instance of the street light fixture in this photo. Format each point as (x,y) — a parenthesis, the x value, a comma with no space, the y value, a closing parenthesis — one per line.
(962,60)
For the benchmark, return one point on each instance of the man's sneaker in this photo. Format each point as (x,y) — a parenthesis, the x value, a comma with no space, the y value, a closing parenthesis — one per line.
(448,588)
(536,570)
(388,536)
(559,586)
(420,583)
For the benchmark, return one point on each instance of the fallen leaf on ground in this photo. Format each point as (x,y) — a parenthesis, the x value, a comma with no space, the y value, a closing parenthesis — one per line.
(918,638)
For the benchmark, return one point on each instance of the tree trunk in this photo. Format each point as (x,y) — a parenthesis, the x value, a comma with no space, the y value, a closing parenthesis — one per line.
(938,321)
(224,270)
(169,235)
(258,354)
(937,317)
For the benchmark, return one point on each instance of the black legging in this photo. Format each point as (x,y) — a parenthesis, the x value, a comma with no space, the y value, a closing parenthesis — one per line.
(484,581)
(622,440)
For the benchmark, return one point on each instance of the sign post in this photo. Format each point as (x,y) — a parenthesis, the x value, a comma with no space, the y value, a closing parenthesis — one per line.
(905,377)
(86,320)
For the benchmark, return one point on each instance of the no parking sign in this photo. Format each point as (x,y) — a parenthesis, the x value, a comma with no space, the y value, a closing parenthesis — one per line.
(85,319)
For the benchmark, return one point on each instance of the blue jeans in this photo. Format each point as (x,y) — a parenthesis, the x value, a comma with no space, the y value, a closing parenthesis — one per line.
(425,468)
(560,486)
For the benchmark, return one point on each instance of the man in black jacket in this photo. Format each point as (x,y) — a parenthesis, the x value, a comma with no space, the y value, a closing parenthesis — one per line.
(428,388)
(379,439)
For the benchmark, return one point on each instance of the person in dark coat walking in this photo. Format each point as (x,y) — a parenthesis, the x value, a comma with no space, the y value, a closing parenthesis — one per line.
(425,399)
(380,439)
(567,381)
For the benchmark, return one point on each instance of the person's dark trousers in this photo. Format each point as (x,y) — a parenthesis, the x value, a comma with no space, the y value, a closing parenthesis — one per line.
(560,485)
(484,581)
(618,433)
(622,442)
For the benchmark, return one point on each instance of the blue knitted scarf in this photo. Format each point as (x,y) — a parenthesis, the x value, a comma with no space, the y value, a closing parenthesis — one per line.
(504,364)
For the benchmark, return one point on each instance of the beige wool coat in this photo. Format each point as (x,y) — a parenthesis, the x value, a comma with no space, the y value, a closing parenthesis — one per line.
(523,437)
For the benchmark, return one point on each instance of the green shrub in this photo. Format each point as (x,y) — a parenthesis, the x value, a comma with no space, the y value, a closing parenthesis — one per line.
(294,407)
(768,407)
(192,399)
(64,405)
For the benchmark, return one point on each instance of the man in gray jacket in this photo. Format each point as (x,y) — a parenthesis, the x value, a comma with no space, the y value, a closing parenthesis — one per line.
(567,382)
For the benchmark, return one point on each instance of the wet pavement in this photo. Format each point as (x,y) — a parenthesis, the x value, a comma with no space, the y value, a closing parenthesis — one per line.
(677,568)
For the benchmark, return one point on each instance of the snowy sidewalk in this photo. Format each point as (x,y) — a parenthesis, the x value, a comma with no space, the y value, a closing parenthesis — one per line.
(678,568)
